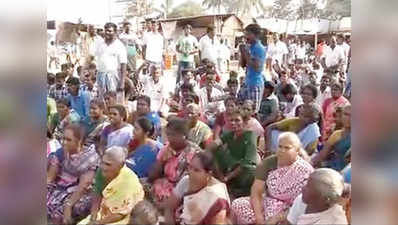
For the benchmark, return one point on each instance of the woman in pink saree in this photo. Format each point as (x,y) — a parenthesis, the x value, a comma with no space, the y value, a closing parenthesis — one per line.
(329,107)
(279,180)
(172,160)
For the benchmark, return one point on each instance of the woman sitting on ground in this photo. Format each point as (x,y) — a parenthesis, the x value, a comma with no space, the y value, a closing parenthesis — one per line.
(333,154)
(117,190)
(329,108)
(236,156)
(279,180)
(143,149)
(69,175)
(65,116)
(204,199)
(221,124)
(118,133)
(250,122)
(305,126)
(95,124)
(172,160)
(319,202)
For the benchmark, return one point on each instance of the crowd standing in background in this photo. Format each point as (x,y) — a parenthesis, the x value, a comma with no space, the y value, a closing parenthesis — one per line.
(128,144)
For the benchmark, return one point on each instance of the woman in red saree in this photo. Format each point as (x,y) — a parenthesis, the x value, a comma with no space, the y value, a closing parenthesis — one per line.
(172,160)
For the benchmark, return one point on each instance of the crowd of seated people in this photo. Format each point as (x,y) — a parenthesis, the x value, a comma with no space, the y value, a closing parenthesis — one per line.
(254,150)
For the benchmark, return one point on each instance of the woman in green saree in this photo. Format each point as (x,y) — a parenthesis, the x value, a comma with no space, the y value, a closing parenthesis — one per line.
(235,154)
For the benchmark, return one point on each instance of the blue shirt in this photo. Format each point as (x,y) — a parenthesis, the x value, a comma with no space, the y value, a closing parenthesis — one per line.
(143,159)
(81,104)
(256,78)
(155,119)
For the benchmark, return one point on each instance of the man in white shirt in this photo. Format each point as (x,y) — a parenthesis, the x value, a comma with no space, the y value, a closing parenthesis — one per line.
(130,40)
(341,42)
(208,45)
(111,58)
(333,56)
(224,55)
(153,45)
(89,40)
(154,87)
(300,52)
(280,51)
(206,95)
(187,46)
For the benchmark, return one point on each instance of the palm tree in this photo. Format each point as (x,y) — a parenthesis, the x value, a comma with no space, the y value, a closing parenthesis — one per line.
(244,7)
(140,8)
(166,7)
(216,4)
(188,8)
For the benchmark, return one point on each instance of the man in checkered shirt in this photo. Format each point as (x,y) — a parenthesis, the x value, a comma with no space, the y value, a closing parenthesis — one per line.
(59,89)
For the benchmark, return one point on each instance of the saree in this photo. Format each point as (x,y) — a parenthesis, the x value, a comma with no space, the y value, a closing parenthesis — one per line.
(175,167)
(120,137)
(283,185)
(255,126)
(241,152)
(341,144)
(329,107)
(333,215)
(71,168)
(94,130)
(143,158)
(201,207)
(199,134)
(60,125)
(119,197)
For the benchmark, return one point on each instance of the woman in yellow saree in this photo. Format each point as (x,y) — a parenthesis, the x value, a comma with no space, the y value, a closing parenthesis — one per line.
(117,190)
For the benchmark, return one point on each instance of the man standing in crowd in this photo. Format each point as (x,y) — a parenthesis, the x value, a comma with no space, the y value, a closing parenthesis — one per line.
(153,45)
(333,56)
(88,44)
(187,46)
(208,45)
(111,58)
(341,42)
(280,52)
(130,40)
(300,53)
(254,55)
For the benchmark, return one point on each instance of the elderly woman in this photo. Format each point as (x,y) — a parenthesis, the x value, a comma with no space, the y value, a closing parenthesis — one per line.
(199,133)
(118,133)
(335,149)
(329,108)
(305,126)
(117,190)
(70,173)
(318,203)
(279,180)
(172,160)
(236,156)
(204,199)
